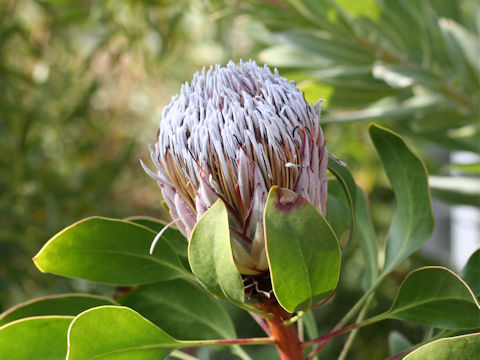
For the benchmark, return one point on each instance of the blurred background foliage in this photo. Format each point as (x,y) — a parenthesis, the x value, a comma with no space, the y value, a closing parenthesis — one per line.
(83,84)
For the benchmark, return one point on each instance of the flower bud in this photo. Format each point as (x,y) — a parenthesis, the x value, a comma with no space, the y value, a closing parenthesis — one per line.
(233,133)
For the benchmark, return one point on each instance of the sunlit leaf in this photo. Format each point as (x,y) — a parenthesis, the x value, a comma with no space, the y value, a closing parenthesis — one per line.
(178,242)
(460,347)
(115,332)
(43,337)
(109,251)
(64,304)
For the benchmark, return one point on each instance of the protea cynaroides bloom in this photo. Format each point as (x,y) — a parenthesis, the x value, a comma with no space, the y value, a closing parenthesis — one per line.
(233,133)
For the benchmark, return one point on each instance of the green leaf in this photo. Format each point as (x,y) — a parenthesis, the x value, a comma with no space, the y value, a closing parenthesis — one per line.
(181,309)
(303,252)
(467,41)
(210,255)
(117,333)
(471,272)
(109,251)
(43,337)
(286,55)
(338,212)
(310,325)
(176,239)
(436,296)
(367,239)
(465,347)
(64,304)
(397,342)
(413,221)
(350,188)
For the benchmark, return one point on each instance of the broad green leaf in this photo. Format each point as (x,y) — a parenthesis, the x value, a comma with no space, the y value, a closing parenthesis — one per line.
(182,309)
(43,337)
(117,333)
(435,296)
(109,251)
(471,272)
(366,239)
(413,221)
(397,342)
(64,304)
(348,184)
(210,255)
(303,252)
(172,235)
(465,347)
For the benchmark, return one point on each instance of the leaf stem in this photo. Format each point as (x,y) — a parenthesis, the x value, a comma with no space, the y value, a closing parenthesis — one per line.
(223,342)
(332,334)
(294,319)
(353,334)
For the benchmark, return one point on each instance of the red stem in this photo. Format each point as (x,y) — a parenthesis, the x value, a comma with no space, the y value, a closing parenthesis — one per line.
(328,336)
(285,336)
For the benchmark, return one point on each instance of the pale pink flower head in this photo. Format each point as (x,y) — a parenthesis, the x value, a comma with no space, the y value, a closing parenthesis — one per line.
(232,133)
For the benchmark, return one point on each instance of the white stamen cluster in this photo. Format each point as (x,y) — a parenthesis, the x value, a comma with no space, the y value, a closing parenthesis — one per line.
(233,133)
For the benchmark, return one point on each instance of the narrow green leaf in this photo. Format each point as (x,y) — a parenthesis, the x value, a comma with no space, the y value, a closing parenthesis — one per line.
(285,55)
(471,272)
(182,309)
(64,304)
(114,333)
(109,251)
(210,255)
(389,108)
(367,239)
(173,236)
(303,252)
(350,188)
(465,347)
(310,325)
(413,221)
(338,212)
(436,296)
(43,337)
(397,342)
(467,41)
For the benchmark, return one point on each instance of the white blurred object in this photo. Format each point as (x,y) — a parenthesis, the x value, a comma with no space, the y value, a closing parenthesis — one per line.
(465,220)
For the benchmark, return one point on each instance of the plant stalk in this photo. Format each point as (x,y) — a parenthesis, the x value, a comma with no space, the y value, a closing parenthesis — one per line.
(285,336)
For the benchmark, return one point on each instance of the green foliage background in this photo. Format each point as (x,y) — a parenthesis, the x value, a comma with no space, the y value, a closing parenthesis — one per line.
(83,84)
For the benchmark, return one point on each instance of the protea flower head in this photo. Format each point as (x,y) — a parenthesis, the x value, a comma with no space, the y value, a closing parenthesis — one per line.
(233,133)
